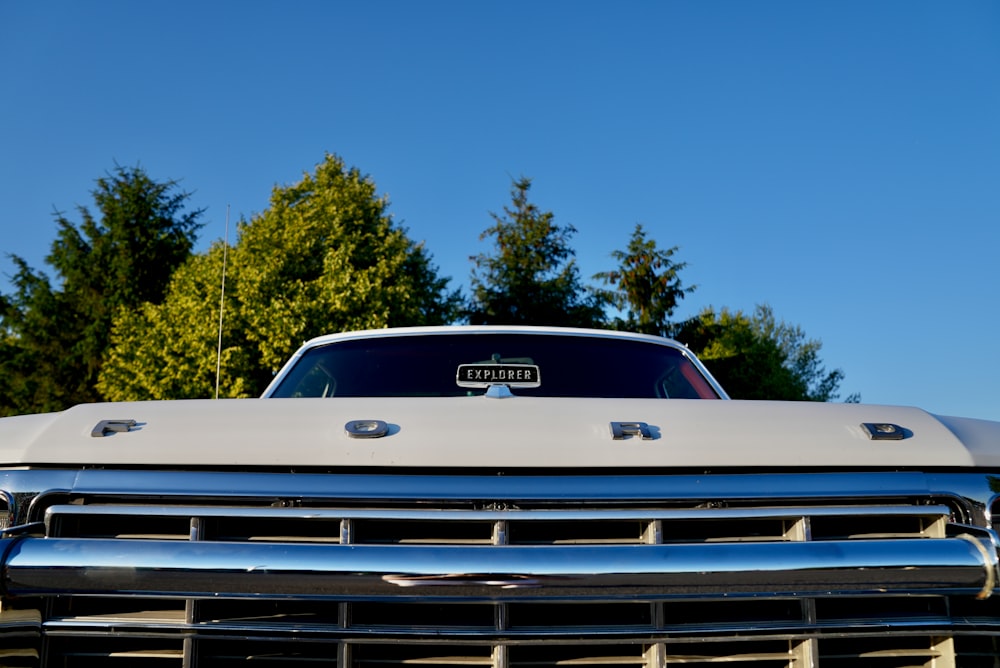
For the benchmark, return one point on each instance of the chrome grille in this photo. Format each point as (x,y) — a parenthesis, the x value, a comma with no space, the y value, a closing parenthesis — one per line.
(505,628)
(529,526)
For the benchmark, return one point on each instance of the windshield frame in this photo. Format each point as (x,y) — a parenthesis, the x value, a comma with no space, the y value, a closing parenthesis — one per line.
(291,367)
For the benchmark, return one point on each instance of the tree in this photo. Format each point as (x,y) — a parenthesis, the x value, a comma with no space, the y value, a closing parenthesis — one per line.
(757,357)
(324,257)
(55,336)
(37,340)
(169,350)
(531,278)
(646,287)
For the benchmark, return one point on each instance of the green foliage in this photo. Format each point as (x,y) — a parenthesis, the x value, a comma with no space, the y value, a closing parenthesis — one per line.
(757,357)
(169,350)
(134,316)
(324,257)
(54,337)
(36,346)
(753,356)
(646,286)
(531,278)
(128,256)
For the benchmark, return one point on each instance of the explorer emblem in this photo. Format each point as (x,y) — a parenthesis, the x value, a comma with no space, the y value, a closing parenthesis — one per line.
(484,375)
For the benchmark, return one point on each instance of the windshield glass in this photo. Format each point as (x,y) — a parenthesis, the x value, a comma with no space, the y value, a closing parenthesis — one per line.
(567,366)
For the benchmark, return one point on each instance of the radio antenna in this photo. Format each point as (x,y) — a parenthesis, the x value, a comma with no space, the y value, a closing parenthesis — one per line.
(222,306)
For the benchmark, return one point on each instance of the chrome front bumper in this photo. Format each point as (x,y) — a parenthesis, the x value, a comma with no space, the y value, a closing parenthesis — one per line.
(964,565)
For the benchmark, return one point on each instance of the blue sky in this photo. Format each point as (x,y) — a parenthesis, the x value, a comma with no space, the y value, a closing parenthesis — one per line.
(839,161)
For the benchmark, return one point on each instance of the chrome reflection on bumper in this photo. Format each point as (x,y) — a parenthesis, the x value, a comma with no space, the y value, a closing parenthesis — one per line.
(964,565)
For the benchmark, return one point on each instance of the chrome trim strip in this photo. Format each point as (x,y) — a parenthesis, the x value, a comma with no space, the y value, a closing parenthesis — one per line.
(703,631)
(953,566)
(554,488)
(542,515)
(973,491)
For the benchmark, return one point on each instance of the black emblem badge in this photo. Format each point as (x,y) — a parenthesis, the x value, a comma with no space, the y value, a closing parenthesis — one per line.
(484,375)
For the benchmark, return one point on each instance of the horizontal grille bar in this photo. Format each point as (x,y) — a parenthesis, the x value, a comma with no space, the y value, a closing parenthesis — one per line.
(963,565)
(522,622)
(888,652)
(497,527)
(776,512)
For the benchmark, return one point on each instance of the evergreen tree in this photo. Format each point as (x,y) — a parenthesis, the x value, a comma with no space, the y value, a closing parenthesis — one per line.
(531,278)
(55,335)
(646,287)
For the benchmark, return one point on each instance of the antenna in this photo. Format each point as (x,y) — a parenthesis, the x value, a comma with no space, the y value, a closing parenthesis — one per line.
(222,305)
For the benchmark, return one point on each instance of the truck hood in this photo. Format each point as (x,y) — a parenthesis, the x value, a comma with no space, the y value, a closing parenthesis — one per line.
(517,432)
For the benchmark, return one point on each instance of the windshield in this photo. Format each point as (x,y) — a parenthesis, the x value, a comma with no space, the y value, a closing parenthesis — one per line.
(567,366)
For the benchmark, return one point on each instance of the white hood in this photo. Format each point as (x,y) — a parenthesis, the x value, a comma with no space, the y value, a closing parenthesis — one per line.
(519,432)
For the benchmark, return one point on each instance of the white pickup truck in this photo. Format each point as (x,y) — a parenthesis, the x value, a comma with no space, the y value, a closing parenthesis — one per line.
(503,497)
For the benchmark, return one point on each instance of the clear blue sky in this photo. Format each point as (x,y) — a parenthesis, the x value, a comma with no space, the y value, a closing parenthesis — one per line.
(839,161)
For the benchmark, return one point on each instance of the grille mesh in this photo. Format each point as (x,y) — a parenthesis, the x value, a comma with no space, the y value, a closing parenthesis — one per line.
(890,632)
